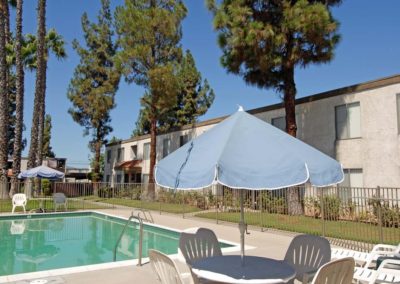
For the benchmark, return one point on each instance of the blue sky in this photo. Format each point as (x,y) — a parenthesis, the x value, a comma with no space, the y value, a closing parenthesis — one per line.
(370,49)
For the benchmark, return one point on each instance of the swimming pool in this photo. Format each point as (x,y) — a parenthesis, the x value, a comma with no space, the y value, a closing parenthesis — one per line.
(30,243)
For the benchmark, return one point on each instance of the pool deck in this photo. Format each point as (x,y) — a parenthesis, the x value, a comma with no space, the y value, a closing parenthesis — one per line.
(268,244)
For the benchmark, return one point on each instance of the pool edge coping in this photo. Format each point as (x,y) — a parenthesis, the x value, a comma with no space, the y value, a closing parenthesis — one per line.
(107,265)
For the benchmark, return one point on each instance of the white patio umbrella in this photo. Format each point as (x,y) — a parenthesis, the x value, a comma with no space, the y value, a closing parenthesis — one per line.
(244,152)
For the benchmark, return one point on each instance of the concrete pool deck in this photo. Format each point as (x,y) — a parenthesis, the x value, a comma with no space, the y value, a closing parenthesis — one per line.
(269,244)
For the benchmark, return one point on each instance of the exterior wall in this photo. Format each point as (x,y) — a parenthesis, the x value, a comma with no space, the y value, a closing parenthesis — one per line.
(376,152)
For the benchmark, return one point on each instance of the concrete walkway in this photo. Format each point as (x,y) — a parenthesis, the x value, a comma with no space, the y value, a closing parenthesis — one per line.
(269,244)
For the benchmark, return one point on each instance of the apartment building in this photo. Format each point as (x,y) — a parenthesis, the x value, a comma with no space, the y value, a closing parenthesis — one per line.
(358,125)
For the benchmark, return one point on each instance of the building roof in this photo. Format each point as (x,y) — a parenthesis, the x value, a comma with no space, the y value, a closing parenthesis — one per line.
(378,83)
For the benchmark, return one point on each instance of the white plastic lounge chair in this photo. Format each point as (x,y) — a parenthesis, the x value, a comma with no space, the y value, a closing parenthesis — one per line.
(366,259)
(201,244)
(307,253)
(59,199)
(19,199)
(166,269)
(384,274)
(335,272)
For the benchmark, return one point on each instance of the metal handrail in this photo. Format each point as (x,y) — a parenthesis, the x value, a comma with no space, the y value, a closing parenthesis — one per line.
(140,237)
(145,217)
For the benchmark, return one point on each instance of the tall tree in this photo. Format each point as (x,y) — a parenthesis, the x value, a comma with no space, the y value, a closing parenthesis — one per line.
(47,151)
(149,34)
(264,41)
(95,82)
(40,87)
(195,97)
(3,93)
(19,98)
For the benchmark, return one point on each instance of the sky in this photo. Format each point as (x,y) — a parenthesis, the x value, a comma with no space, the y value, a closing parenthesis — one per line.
(369,49)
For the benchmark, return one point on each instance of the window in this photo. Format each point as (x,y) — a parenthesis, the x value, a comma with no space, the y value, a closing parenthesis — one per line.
(279,122)
(398,112)
(108,178)
(118,178)
(134,152)
(348,122)
(183,139)
(108,156)
(352,178)
(166,147)
(146,151)
(120,154)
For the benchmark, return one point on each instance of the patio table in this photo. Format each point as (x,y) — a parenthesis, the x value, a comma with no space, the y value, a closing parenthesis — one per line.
(256,270)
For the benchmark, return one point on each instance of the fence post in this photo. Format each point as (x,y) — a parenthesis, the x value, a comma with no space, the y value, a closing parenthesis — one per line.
(183,204)
(323,212)
(260,201)
(379,207)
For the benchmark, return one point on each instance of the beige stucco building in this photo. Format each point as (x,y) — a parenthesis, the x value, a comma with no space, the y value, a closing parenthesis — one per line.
(358,125)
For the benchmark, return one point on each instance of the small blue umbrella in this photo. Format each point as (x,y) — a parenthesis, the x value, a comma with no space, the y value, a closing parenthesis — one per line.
(244,152)
(41,172)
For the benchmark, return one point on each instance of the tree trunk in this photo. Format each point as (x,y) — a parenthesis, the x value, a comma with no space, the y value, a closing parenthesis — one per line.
(41,117)
(19,112)
(3,98)
(294,204)
(153,153)
(40,71)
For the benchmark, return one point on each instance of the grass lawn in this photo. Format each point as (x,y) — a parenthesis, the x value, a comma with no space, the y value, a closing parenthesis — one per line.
(335,229)
(149,205)
(73,204)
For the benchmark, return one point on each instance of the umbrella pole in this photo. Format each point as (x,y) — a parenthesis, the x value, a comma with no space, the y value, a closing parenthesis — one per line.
(242,227)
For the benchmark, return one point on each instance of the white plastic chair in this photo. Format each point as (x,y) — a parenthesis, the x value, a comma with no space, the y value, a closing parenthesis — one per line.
(365,259)
(59,199)
(335,272)
(166,269)
(307,253)
(20,200)
(385,273)
(201,244)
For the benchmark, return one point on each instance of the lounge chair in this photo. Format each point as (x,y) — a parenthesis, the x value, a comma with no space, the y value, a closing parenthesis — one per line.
(200,244)
(338,271)
(306,254)
(366,259)
(385,273)
(166,269)
(59,199)
(19,200)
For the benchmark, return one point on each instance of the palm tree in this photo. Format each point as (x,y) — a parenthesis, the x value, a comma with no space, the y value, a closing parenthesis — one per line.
(3,94)
(19,97)
(40,87)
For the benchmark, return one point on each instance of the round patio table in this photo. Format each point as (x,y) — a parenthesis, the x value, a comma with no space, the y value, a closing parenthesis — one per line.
(256,270)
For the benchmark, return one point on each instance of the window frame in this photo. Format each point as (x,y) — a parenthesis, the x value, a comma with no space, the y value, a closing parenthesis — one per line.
(109,151)
(166,150)
(347,136)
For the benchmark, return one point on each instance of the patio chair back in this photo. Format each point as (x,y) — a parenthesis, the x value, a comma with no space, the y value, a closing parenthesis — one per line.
(336,272)
(19,199)
(307,253)
(165,268)
(59,199)
(202,244)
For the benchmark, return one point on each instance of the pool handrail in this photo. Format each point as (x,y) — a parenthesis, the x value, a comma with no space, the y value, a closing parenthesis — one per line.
(140,237)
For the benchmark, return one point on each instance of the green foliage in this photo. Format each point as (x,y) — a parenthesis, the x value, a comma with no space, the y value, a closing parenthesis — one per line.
(272,204)
(331,206)
(390,215)
(47,149)
(97,176)
(95,82)
(46,187)
(194,98)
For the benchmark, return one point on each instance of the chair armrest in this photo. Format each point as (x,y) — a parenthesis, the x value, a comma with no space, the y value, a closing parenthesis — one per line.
(390,264)
(383,248)
(309,275)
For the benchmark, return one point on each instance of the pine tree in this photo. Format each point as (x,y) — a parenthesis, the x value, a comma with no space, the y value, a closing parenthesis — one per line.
(95,82)
(149,34)
(264,41)
(47,151)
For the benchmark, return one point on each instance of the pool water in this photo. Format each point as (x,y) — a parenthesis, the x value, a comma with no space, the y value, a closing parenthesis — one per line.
(49,241)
